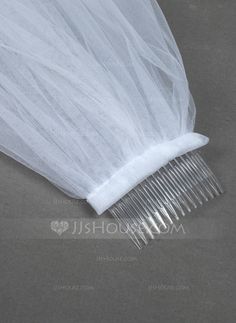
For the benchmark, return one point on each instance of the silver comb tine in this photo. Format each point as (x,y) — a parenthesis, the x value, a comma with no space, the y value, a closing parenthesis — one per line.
(187,186)
(183,188)
(183,194)
(135,219)
(154,212)
(160,220)
(183,164)
(157,206)
(153,224)
(182,184)
(205,173)
(175,188)
(156,196)
(151,209)
(200,177)
(212,175)
(173,195)
(128,223)
(157,216)
(119,218)
(192,179)
(164,189)
(131,220)
(166,199)
(164,209)
(146,198)
(184,178)
(144,214)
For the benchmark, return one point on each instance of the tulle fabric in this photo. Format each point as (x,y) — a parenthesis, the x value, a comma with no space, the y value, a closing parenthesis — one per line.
(87,86)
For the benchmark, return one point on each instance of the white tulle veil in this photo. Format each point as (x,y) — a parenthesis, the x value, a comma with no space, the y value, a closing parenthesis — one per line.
(93,94)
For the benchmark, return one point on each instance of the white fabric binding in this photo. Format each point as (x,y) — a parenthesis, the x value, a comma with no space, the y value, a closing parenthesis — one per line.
(134,172)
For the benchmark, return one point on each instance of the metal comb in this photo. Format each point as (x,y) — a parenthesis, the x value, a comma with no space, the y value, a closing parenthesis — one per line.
(177,188)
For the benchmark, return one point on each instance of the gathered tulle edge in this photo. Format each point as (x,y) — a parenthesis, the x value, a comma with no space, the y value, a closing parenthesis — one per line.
(133,173)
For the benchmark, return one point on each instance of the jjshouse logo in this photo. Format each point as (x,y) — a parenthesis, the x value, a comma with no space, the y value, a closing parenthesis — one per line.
(93,228)
(59,226)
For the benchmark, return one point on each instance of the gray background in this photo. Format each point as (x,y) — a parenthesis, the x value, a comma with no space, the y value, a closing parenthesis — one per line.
(189,280)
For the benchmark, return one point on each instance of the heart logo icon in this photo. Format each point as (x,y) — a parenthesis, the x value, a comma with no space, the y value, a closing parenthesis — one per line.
(59,226)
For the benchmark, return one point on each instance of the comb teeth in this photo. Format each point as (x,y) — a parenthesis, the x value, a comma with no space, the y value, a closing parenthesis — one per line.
(179,187)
